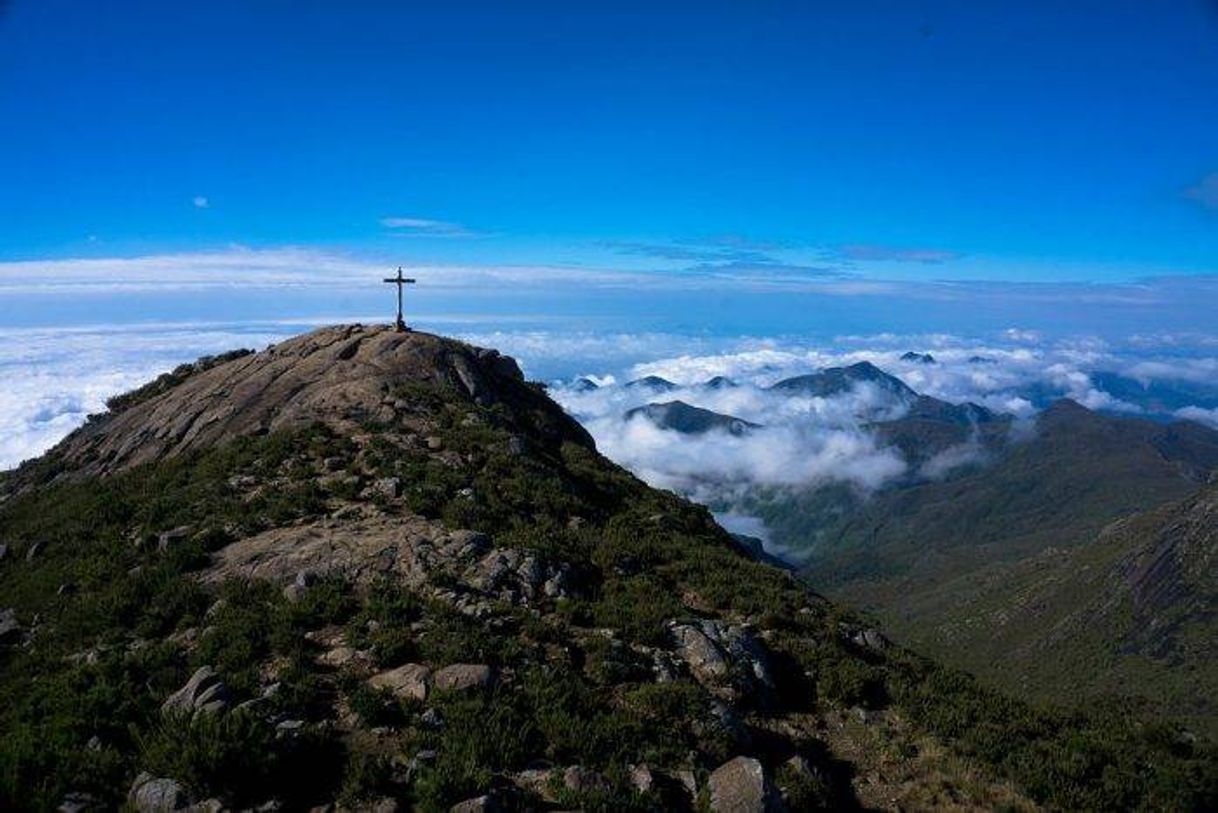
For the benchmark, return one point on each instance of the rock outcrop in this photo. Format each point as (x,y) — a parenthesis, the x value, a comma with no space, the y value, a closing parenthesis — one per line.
(204,693)
(741,786)
(336,376)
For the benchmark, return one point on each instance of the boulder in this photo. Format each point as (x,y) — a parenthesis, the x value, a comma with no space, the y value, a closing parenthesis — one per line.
(150,794)
(204,693)
(740,786)
(387,487)
(642,778)
(726,659)
(705,658)
(462,676)
(579,779)
(873,640)
(411,681)
(338,657)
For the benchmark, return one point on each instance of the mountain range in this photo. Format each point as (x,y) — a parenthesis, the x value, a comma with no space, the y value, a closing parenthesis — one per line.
(1001,562)
(365,569)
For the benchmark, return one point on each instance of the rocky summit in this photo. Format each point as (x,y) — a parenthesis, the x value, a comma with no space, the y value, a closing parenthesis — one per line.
(370,570)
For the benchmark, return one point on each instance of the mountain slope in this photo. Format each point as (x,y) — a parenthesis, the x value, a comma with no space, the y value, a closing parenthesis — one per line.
(988,566)
(380,568)
(1078,471)
(1130,612)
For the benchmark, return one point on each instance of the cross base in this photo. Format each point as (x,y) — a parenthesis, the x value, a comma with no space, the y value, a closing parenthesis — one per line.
(400,327)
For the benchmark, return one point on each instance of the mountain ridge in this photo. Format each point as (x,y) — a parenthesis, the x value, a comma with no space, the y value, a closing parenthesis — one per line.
(400,576)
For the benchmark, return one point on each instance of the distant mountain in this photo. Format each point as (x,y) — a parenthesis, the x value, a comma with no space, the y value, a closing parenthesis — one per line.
(584,384)
(1157,396)
(836,380)
(719,382)
(932,427)
(690,420)
(651,382)
(920,358)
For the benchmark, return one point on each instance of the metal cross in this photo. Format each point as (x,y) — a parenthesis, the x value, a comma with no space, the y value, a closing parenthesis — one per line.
(399,281)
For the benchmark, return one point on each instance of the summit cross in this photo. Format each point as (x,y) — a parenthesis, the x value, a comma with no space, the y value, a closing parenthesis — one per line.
(399,281)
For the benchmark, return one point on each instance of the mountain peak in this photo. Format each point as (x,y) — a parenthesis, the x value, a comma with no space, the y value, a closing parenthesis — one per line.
(834,380)
(338,376)
(690,420)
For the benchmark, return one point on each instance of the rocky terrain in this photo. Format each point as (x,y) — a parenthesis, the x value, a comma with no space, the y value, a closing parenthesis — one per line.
(374,570)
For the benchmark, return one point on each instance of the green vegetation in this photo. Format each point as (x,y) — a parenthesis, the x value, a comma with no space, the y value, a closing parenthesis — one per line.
(101,656)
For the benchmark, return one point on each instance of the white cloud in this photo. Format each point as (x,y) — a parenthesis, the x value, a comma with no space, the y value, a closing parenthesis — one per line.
(1199,414)
(200,202)
(426,227)
(55,378)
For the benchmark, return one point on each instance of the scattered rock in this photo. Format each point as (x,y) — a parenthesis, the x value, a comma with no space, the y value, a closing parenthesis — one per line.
(290,727)
(479,804)
(10,628)
(77,802)
(519,577)
(334,463)
(642,778)
(388,487)
(34,550)
(579,779)
(740,786)
(150,794)
(165,539)
(462,676)
(432,719)
(435,443)
(410,681)
(689,781)
(871,639)
(338,657)
(204,693)
(303,581)
(726,659)
(65,589)
(242,482)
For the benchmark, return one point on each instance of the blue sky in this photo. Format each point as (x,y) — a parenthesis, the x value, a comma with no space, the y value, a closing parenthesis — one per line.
(1029,140)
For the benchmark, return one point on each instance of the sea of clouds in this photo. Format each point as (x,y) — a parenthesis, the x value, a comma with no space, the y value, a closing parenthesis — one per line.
(55,377)
(809,441)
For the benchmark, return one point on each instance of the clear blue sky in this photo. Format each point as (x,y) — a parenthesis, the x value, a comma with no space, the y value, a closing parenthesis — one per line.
(1033,141)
